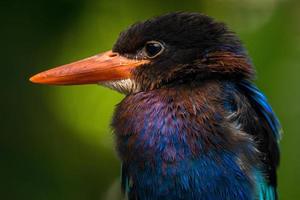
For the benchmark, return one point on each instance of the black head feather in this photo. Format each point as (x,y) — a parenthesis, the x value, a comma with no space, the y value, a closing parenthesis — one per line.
(196,48)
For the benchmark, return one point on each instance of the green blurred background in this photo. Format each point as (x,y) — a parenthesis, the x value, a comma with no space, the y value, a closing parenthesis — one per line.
(55,142)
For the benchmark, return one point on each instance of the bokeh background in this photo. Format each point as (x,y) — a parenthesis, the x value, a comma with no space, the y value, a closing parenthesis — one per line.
(55,142)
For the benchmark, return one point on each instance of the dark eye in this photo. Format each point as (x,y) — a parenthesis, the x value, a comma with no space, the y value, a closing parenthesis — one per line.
(153,49)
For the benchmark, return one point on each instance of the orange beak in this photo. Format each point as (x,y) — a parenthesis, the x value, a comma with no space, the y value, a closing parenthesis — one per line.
(108,66)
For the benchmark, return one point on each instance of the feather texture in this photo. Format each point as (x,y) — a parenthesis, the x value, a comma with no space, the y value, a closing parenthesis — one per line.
(180,144)
(261,103)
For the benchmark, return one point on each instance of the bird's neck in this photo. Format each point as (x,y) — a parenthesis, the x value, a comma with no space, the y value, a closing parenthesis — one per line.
(173,145)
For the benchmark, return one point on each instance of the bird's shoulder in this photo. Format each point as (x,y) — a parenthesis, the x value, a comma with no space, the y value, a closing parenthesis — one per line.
(252,113)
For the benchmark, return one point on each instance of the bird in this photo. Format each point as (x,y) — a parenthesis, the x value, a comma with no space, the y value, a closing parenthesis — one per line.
(193,124)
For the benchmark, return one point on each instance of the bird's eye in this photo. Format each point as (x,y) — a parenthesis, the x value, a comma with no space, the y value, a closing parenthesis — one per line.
(153,49)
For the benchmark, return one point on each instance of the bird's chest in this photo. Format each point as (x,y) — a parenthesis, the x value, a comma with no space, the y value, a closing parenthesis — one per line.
(168,152)
(155,132)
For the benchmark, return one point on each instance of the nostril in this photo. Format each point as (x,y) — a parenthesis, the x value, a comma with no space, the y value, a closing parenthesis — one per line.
(112,54)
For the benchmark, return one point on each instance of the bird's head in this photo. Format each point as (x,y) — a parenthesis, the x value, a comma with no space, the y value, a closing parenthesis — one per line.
(176,48)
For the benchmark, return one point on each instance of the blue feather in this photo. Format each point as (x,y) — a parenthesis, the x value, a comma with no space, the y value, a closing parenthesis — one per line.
(264,190)
(262,103)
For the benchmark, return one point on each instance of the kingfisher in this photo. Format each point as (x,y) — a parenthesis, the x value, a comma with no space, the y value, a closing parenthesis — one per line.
(193,125)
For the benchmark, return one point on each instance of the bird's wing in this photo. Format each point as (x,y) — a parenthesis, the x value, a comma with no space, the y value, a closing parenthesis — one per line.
(266,191)
(266,131)
(259,100)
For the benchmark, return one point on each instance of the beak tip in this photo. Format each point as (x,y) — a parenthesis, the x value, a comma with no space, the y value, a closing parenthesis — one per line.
(31,79)
(35,79)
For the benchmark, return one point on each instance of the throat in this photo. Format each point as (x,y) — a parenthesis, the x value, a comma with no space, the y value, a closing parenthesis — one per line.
(125,86)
